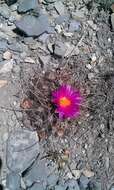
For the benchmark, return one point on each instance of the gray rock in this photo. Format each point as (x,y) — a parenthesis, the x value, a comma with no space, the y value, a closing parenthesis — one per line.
(52,180)
(12,19)
(112,187)
(3,45)
(22,149)
(33,26)
(60,49)
(37,186)
(13,181)
(60,7)
(98,186)
(14,7)
(5,11)
(43,38)
(1,58)
(60,187)
(72,184)
(39,172)
(50,1)
(6,66)
(62,18)
(16,47)
(91,76)
(84,181)
(27,5)
(50,7)
(44,60)
(50,30)
(112,20)
(10,2)
(94,185)
(29,40)
(74,26)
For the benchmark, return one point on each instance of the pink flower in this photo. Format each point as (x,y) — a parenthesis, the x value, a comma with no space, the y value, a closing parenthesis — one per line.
(67,101)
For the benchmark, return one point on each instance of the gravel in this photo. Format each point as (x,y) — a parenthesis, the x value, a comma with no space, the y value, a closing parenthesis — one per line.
(70,41)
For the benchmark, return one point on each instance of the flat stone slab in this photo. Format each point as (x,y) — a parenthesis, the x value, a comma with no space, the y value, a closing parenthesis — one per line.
(37,186)
(3,45)
(27,5)
(22,149)
(13,181)
(33,26)
(39,172)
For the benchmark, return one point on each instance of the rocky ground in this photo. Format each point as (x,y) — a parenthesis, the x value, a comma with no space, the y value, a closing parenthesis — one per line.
(41,38)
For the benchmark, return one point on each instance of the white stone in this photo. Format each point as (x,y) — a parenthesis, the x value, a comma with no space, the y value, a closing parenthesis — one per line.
(88,66)
(7,55)
(90,76)
(29,60)
(68,34)
(58,28)
(93,58)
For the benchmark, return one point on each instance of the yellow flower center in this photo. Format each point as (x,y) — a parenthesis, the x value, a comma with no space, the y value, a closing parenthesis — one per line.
(64,102)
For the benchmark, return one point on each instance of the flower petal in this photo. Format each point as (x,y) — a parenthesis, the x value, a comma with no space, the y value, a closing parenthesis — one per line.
(67,93)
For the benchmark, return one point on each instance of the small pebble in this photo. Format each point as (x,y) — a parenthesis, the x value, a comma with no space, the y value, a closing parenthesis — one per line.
(29,60)
(88,66)
(90,76)
(68,34)
(93,58)
(109,40)
(58,28)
